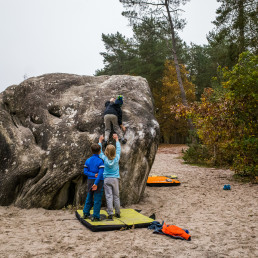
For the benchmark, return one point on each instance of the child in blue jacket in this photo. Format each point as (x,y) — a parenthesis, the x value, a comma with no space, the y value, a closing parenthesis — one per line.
(111,175)
(93,169)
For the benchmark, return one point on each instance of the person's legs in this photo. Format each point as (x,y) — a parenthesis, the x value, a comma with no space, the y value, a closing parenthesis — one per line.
(109,195)
(116,195)
(116,127)
(89,199)
(107,121)
(88,204)
(97,201)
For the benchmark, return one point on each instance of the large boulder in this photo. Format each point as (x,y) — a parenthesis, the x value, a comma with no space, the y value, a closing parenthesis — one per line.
(47,125)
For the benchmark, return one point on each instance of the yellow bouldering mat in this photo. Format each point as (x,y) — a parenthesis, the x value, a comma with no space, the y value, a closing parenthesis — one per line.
(128,218)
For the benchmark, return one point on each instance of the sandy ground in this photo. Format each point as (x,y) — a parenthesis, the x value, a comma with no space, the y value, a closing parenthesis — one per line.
(221,223)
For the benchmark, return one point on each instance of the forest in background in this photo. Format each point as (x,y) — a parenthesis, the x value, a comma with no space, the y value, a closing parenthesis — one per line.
(205,95)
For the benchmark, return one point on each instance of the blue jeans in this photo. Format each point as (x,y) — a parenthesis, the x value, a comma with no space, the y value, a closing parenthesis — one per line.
(93,200)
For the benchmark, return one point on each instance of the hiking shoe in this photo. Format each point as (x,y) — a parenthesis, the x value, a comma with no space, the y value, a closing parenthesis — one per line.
(95,219)
(110,217)
(85,216)
(105,143)
(117,215)
(123,141)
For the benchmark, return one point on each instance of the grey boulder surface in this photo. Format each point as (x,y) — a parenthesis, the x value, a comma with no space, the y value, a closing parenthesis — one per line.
(47,125)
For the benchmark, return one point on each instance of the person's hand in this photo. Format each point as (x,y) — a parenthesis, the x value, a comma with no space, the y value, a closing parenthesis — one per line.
(115,137)
(112,99)
(96,175)
(123,128)
(101,138)
(94,187)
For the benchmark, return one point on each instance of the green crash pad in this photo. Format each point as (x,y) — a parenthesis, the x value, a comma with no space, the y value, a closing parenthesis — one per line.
(128,218)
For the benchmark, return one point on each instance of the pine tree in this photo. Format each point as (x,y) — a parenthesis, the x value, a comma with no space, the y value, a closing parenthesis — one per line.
(236,30)
(120,56)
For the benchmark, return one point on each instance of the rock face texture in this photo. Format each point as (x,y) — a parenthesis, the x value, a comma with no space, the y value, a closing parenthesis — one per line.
(47,125)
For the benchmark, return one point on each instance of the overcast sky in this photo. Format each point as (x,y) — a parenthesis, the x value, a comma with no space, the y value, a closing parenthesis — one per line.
(48,36)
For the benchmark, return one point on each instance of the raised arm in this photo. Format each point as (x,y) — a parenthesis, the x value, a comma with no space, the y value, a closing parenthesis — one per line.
(101,155)
(118,150)
(118,147)
(107,103)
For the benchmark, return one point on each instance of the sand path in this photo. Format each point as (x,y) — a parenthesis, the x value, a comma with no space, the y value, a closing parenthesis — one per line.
(222,223)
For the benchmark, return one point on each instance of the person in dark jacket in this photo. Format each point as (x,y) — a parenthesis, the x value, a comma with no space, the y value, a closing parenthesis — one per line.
(93,169)
(113,115)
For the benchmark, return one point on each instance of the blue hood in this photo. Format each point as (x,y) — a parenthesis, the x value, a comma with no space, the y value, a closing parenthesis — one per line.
(119,102)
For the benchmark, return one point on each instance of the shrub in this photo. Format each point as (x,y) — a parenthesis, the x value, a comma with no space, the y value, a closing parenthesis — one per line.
(226,123)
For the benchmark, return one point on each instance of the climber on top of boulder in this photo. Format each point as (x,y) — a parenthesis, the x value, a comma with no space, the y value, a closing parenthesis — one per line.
(113,115)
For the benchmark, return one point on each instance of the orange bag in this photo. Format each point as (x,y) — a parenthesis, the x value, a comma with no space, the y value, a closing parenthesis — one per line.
(175,231)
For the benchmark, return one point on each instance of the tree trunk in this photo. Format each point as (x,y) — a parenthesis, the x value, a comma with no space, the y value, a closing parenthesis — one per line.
(241,26)
(178,73)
